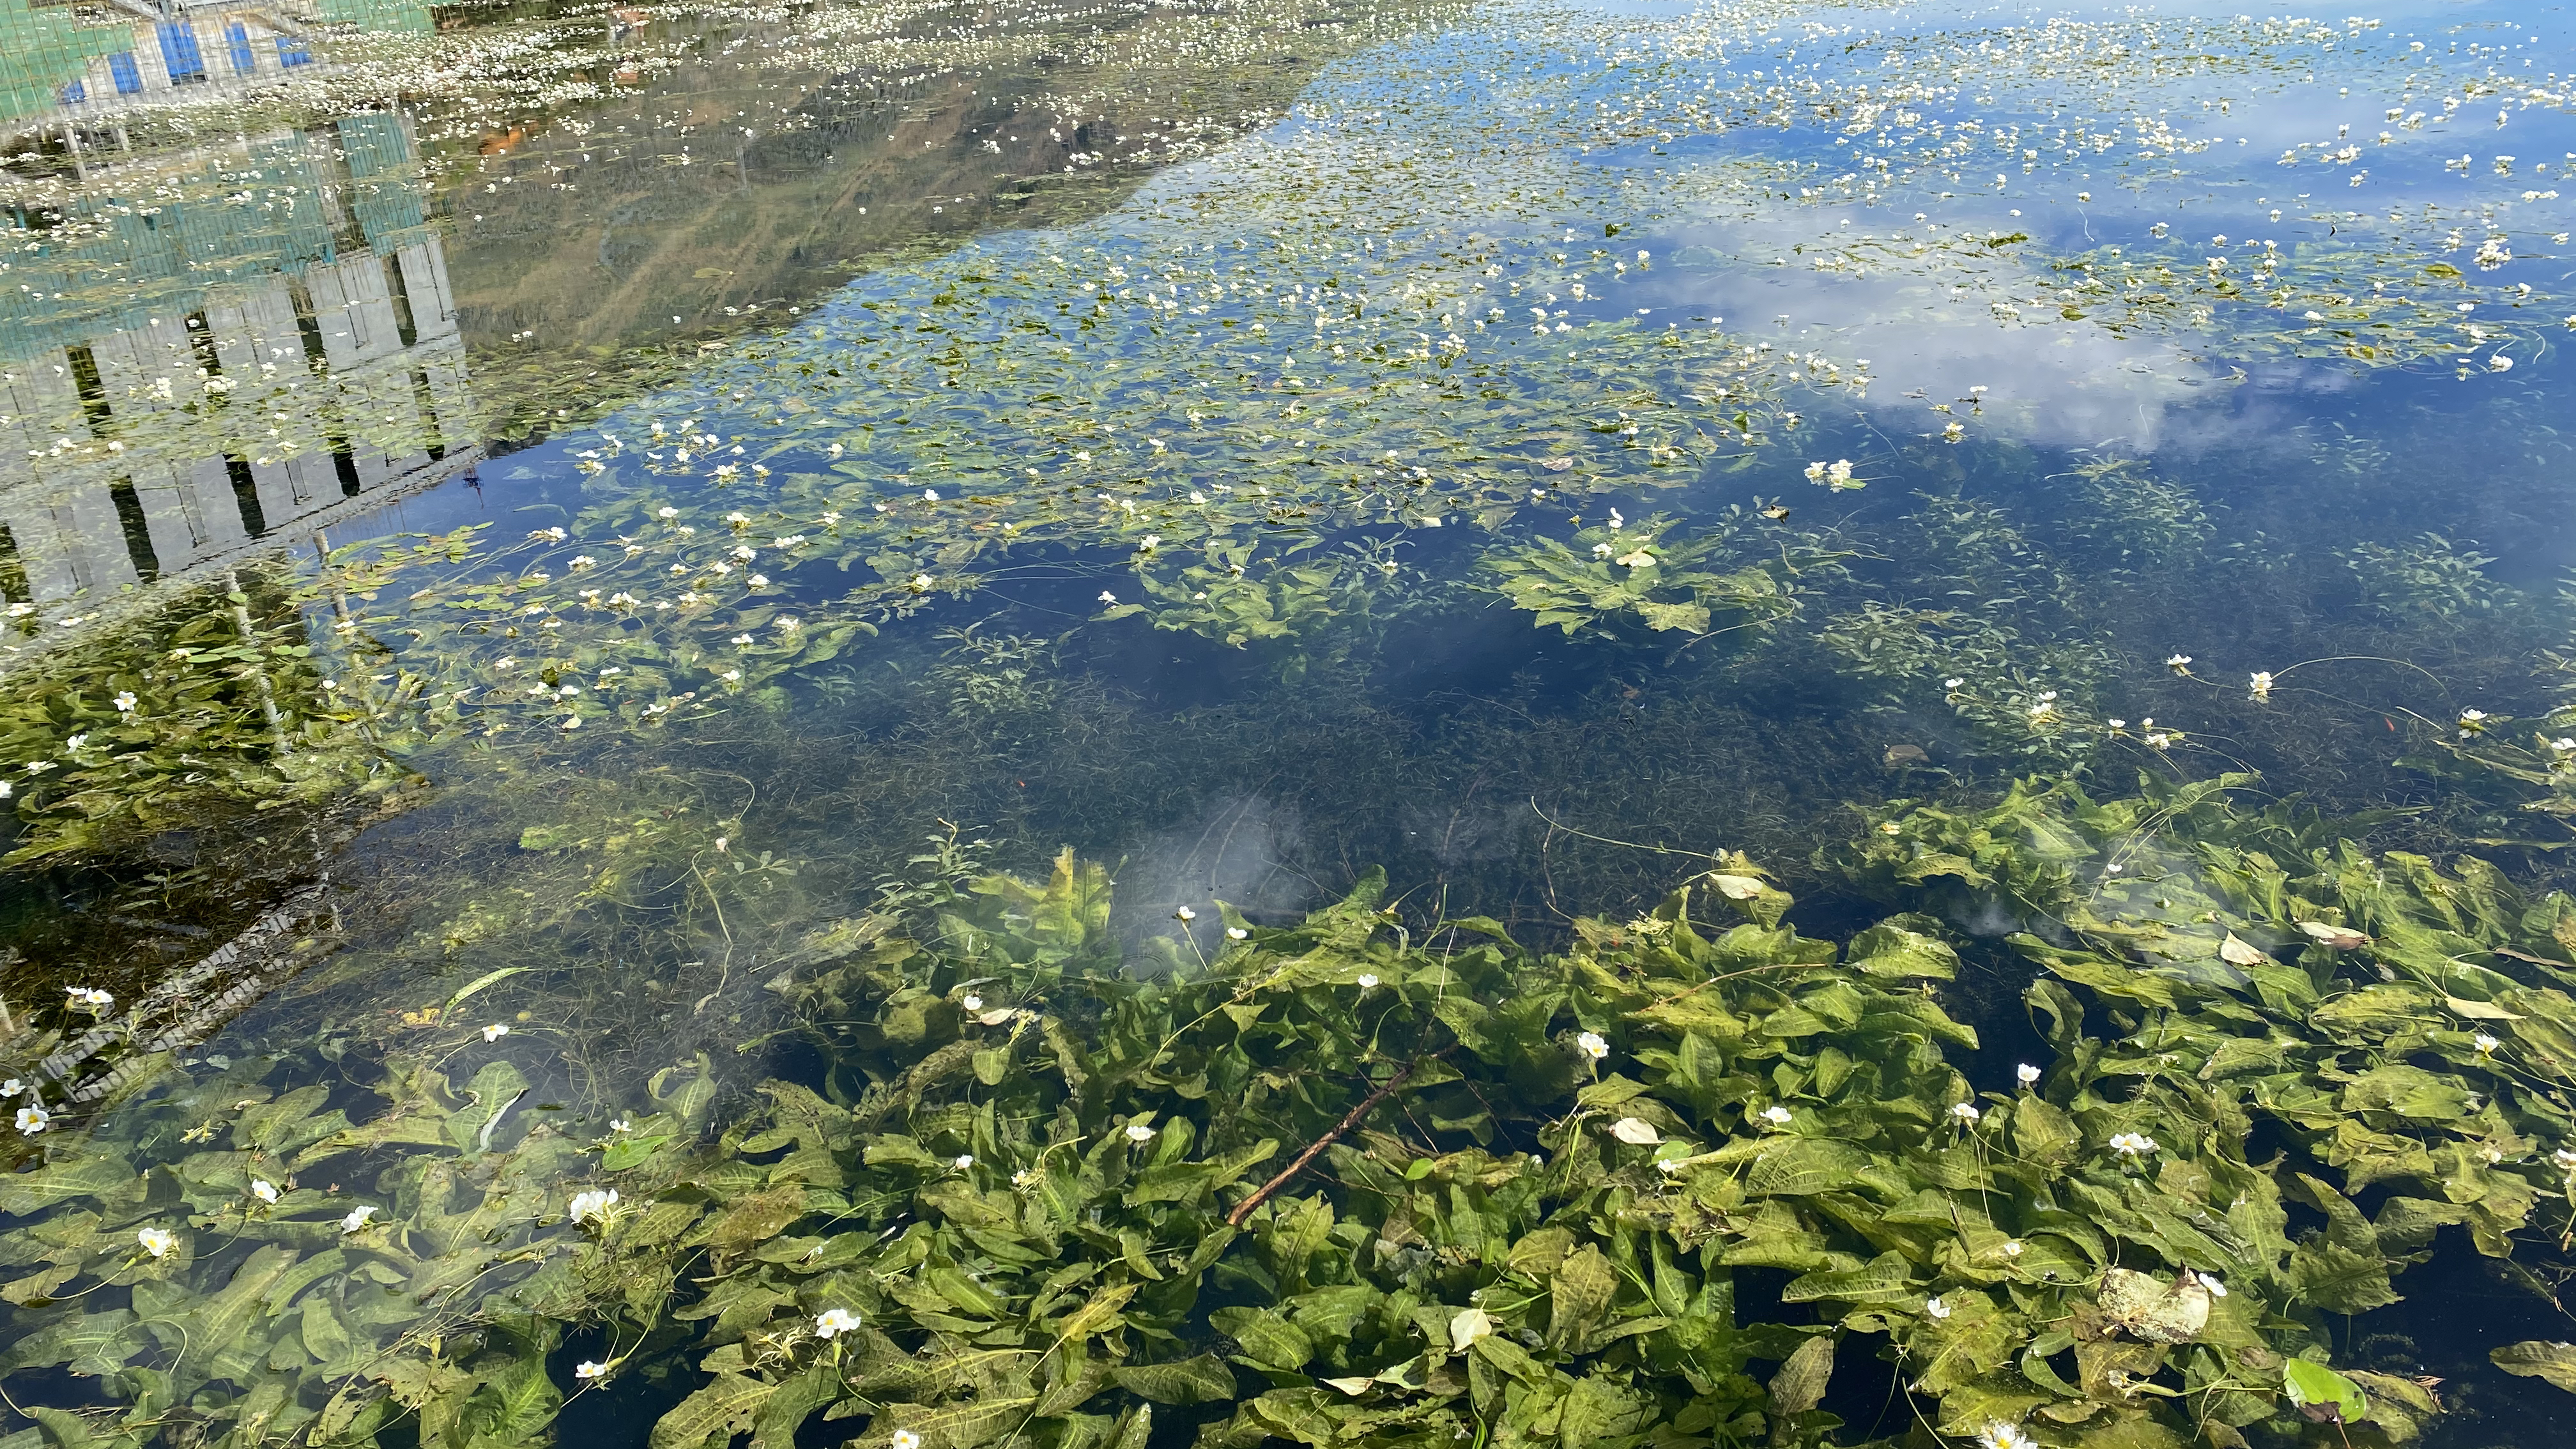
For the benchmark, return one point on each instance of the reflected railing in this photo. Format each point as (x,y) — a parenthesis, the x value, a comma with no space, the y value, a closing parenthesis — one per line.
(178,381)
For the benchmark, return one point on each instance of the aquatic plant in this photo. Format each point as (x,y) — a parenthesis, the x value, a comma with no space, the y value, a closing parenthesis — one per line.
(1359,1177)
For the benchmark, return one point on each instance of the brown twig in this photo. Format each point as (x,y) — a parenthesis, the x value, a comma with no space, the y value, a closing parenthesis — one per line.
(1263,1193)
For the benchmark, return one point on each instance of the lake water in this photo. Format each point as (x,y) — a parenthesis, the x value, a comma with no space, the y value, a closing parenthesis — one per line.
(517,534)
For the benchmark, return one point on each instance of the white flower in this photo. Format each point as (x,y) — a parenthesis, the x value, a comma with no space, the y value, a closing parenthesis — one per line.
(1594,1045)
(973,1003)
(833,1322)
(904,1439)
(929,495)
(1999,1435)
(2028,1074)
(263,1189)
(1952,683)
(496,1031)
(1185,914)
(1776,1115)
(1150,542)
(356,1219)
(1964,1112)
(964,1161)
(1107,597)
(2216,1288)
(1602,550)
(2177,662)
(90,998)
(590,1369)
(1139,1132)
(620,1124)
(2132,1144)
(593,1206)
(1368,981)
(2261,684)
(125,702)
(2499,363)
(1937,1308)
(2564,1158)
(2012,1248)
(32,1119)
(1236,933)
(2484,1043)
(12,1087)
(157,1241)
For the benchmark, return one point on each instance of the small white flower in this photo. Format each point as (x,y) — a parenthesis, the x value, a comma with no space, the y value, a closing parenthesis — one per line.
(1937,1308)
(2565,1159)
(1107,597)
(2216,1288)
(125,702)
(620,1124)
(263,1189)
(833,1322)
(2028,1074)
(929,495)
(964,1161)
(904,1439)
(356,1219)
(1999,1435)
(1368,981)
(1776,1115)
(90,998)
(2117,724)
(1952,683)
(1964,1112)
(2132,1144)
(1236,933)
(32,1119)
(1185,914)
(2261,684)
(496,1031)
(2484,1043)
(593,1206)
(2177,662)
(157,1241)
(12,1087)
(1594,1045)
(2012,1248)
(973,1003)
(1139,1132)
(590,1369)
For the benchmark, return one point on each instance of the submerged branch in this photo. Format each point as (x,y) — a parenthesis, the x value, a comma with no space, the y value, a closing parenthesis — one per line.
(1342,1128)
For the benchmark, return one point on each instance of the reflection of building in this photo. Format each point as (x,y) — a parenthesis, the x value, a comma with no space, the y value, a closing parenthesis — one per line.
(178,379)
(82,61)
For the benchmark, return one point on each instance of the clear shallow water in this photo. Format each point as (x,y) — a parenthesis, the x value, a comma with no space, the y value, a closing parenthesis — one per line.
(1206,535)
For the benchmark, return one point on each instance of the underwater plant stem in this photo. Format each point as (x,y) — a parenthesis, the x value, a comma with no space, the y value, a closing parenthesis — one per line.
(258,673)
(1315,1149)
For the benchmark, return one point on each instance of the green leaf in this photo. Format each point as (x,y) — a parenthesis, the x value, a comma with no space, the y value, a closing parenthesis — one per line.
(1201,1380)
(2314,1386)
(1800,1383)
(2553,1363)
(723,1408)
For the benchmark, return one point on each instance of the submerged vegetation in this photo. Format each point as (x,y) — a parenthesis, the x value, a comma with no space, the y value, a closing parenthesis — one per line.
(1360,1178)
(489,988)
